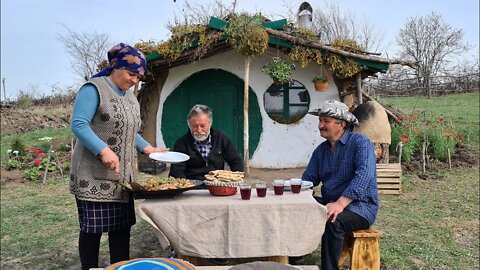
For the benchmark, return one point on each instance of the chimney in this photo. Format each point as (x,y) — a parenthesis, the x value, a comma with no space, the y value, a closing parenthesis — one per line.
(304,15)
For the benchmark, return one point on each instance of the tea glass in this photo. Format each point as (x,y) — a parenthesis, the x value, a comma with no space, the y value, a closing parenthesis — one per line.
(261,187)
(296,185)
(278,186)
(245,191)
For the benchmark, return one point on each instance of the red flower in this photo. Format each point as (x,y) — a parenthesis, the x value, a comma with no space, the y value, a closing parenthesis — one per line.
(405,138)
(41,155)
(415,130)
(37,163)
(460,137)
(448,134)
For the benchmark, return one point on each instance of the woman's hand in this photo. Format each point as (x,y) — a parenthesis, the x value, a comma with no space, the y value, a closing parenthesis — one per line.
(150,149)
(110,159)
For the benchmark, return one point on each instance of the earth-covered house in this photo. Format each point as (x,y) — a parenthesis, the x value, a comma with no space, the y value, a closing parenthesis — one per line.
(202,67)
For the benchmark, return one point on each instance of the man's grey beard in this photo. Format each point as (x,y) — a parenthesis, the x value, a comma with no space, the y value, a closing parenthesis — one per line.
(201,138)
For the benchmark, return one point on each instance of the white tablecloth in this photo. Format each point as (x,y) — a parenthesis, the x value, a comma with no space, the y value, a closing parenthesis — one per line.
(198,224)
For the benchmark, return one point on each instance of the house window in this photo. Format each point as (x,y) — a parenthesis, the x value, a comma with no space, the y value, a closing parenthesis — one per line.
(287,103)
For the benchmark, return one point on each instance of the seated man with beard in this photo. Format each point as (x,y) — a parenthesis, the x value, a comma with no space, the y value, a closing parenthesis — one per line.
(208,148)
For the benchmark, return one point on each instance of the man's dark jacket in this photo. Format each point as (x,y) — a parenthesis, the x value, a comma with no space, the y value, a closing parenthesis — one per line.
(196,167)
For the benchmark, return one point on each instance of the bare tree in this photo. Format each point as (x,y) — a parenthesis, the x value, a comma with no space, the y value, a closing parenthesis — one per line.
(332,23)
(194,13)
(430,42)
(87,50)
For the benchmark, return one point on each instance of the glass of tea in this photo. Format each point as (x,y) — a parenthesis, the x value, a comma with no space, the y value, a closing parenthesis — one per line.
(296,185)
(278,186)
(245,191)
(261,188)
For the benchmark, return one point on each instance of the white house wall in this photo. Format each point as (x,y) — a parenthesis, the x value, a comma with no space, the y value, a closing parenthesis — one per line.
(280,145)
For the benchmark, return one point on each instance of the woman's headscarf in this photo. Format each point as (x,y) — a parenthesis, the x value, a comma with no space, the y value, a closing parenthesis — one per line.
(124,56)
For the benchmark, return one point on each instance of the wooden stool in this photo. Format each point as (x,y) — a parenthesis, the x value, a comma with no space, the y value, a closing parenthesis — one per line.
(363,249)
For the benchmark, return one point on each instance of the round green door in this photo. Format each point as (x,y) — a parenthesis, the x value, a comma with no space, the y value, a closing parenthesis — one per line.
(223,93)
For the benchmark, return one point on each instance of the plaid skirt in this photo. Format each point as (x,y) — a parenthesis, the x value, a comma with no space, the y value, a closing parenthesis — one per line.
(99,217)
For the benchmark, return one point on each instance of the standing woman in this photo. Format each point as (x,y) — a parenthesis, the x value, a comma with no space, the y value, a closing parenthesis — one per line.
(106,121)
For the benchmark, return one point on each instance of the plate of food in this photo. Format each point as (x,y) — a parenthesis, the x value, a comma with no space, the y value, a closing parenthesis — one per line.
(305,185)
(169,157)
(158,187)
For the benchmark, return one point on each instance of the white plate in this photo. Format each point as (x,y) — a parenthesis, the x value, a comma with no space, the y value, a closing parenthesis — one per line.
(305,185)
(169,157)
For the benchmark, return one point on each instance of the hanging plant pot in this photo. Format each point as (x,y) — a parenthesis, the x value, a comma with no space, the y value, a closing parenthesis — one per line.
(321,86)
(277,82)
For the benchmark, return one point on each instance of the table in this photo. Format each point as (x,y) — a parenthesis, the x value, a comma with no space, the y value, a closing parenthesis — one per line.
(198,224)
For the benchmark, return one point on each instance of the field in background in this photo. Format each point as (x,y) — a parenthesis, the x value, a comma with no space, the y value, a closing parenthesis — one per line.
(433,224)
(462,110)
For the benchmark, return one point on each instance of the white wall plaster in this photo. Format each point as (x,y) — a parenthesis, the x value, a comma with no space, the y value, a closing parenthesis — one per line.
(280,145)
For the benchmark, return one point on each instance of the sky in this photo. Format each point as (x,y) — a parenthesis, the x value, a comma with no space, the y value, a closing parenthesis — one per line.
(35,61)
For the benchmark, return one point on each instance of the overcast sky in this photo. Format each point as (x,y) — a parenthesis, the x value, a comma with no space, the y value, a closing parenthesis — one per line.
(33,58)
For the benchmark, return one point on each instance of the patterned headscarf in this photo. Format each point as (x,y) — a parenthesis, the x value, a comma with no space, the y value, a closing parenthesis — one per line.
(335,109)
(124,56)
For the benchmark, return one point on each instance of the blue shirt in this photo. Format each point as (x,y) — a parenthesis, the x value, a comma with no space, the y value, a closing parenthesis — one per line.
(85,107)
(349,171)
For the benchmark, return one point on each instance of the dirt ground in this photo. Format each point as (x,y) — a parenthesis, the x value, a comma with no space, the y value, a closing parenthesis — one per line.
(16,119)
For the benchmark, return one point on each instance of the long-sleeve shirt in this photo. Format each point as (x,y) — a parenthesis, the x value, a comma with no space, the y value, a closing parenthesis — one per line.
(197,166)
(85,107)
(349,171)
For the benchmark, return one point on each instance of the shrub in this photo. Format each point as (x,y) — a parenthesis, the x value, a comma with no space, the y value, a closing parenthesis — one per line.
(64,148)
(13,164)
(439,137)
(32,174)
(18,145)
(45,146)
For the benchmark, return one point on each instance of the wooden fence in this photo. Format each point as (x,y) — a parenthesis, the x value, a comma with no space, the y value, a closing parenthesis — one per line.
(440,85)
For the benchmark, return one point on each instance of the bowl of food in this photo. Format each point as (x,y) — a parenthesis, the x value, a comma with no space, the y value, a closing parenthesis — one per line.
(222,188)
(223,183)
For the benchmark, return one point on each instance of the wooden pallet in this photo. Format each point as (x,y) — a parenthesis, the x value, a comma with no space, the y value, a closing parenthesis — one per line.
(389,178)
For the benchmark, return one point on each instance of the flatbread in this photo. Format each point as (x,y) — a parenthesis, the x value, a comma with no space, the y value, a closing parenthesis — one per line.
(224,176)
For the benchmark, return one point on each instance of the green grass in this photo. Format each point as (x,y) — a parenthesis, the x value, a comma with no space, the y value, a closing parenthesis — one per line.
(32,138)
(433,224)
(39,228)
(461,110)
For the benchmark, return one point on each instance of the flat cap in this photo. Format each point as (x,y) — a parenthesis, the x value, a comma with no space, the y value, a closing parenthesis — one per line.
(335,109)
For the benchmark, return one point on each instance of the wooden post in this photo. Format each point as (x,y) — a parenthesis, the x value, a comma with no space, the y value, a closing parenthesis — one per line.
(359,88)
(49,156)
(245,115)
(423,156)
(4,92)
(449,159)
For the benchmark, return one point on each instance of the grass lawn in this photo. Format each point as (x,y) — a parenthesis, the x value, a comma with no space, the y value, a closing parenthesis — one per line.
(462,110)
(433,224)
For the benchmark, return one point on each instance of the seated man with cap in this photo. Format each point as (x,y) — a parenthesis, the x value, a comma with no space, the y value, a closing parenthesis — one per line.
(345,165)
